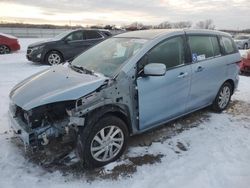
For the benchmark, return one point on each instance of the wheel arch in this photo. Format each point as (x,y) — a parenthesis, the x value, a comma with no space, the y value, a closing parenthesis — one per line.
(4,44)
(231,82)
(120,111)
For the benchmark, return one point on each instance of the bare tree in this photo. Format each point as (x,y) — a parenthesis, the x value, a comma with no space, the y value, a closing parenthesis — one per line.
(165,25)
(181,25)
(206,24)
(109,27)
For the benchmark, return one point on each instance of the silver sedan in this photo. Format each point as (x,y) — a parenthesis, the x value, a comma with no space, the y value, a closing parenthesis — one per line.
(242,41)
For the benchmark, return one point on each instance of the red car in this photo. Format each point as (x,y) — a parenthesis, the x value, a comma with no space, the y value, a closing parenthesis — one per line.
(8,44)
(245,62)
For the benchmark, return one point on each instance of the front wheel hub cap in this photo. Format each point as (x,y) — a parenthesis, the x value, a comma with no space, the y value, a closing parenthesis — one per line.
(107,143)
(54,59)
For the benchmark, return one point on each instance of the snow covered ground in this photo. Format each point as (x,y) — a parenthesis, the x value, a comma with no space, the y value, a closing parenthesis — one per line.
(202,150)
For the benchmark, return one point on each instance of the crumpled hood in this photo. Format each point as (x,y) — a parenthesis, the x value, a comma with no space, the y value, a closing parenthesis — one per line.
(58,83)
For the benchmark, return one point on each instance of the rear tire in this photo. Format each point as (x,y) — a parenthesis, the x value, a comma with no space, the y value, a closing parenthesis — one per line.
(223,97)
(4,49)
(102,142)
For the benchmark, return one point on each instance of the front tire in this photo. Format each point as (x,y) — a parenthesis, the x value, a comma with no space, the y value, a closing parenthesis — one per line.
(4,49)
(223,97)
(53,58)
(102,143)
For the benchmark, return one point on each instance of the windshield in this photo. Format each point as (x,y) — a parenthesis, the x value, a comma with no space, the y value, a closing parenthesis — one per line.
(62,35)
(108,56)
(241,37)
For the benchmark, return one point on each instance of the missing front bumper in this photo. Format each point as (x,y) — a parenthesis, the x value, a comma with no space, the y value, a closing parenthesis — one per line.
(22,131)
(41,136)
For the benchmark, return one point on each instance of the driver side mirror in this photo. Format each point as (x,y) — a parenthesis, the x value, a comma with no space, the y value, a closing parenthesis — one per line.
(67,40)
(155,69)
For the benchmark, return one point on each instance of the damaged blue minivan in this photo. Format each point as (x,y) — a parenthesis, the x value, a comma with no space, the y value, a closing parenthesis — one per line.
(123,86)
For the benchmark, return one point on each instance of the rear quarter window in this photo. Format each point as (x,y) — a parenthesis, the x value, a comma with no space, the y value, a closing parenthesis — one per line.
(228,45)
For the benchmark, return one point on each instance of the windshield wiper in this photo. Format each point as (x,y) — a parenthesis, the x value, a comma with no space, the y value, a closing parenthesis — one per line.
(81,69)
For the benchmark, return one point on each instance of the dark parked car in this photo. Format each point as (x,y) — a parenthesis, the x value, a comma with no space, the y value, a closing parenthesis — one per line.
(8,43)
(66,46)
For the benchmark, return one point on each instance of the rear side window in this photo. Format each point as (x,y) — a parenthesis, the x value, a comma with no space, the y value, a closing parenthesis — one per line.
(228,45)
(92,35)
(203,47)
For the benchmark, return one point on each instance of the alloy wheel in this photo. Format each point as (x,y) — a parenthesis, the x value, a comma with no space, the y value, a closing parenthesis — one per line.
(54,59)
(224,97)
(4,49)
(107,143)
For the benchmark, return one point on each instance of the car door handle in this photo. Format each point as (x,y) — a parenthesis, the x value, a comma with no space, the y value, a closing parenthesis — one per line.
(199,69)
(182,75)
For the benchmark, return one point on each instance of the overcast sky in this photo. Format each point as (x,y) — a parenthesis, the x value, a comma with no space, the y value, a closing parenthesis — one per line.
(226,14)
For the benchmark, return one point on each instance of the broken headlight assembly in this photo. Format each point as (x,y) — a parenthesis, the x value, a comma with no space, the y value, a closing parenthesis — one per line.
(76,115)
(46,122)
(84,101)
